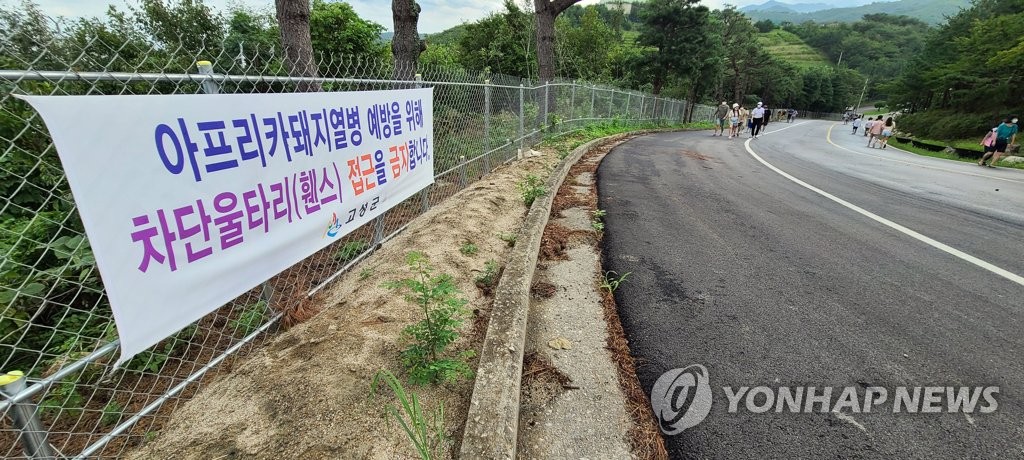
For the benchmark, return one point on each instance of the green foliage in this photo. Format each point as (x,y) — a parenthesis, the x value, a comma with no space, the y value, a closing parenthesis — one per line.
(153,359)
(338,32)
(366,273)
(468,249)
(63,398)
(611,281)
(351,250)
(425,432)
(531,189)
(250,319)
(488,277)
(426,356)
(111,413)
(508,238)
(501,43)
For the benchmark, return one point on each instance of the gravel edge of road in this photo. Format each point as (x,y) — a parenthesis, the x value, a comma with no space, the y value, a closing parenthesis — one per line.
(491,429)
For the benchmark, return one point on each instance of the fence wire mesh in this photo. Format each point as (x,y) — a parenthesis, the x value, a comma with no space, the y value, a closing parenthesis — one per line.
(55,319)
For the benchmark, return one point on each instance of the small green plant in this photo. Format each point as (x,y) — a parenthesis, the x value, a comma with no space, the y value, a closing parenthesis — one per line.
(488,277)
(150,435)
(508,238)
(63,398)
(351,250)
(250,319)
(425,358)
(531,189)
(596,224)
(469,249)
(611,282)
(426,434)
(111,413)
(365,273)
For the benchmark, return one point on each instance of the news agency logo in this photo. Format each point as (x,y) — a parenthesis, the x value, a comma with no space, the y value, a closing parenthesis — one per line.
(681,398)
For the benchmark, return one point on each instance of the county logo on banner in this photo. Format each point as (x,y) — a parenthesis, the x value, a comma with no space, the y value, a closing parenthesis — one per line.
(191,200)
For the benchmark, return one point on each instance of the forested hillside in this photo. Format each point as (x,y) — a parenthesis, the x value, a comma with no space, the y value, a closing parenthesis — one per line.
(969,75)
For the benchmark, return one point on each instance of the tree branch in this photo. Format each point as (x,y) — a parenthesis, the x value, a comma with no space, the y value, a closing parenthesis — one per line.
(558,6)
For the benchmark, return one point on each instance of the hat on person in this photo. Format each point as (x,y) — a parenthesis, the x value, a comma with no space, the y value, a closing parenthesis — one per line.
(759,104)
(735,104)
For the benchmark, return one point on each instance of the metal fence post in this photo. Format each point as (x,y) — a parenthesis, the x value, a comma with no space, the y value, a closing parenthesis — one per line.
(544,119)
(463,175)
(424,196)
(487,126)
(611,104)
(25,417)
(572,101)
(522,115)
(629,96)
(593,95)
(641,116)
(210,86)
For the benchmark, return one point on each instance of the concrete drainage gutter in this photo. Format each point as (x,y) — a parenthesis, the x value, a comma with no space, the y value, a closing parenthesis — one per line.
(493,420)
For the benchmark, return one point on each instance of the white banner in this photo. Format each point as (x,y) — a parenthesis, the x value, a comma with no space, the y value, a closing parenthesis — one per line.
(192,200)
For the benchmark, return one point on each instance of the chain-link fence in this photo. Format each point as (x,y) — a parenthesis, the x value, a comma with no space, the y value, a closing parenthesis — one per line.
(55,319)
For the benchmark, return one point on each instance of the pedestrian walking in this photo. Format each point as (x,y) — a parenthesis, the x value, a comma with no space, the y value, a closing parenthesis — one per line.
(989,142)
(876,131)
(1006,135)
(867,126)
(888,129)
(721,116)
(734,120)
(757,117)
(856,124)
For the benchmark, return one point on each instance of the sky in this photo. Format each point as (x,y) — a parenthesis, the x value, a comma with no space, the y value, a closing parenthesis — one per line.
(437,15)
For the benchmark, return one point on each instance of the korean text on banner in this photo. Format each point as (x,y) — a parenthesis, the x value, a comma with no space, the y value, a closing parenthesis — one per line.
(192,200)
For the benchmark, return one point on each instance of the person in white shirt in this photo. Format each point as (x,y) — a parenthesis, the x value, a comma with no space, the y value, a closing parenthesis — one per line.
(758,116)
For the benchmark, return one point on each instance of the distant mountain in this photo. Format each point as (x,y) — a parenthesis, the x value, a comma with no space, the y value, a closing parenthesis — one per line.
(783,7)
(930,11)
(387,36)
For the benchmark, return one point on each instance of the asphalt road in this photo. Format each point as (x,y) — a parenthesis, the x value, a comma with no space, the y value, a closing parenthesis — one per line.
(766,282)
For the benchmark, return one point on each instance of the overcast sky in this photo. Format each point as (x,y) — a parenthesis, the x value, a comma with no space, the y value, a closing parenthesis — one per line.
(437,15)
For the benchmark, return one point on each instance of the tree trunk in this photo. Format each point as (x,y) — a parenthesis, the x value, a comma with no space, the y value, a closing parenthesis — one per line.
(406,45)
(546,12)
(293,19)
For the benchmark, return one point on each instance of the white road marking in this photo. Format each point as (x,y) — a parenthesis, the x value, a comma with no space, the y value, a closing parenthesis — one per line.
(828,137)
(850,420)
(924,239)
(969,418)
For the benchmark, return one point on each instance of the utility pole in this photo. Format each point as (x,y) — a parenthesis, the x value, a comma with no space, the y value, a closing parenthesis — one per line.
(861,95)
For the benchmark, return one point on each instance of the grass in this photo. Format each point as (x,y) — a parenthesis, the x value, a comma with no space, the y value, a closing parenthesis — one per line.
(946,156)
(876,112)
(611,282)
(425,430)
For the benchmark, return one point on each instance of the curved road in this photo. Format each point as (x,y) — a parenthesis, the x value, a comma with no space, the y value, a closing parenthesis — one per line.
(862,268)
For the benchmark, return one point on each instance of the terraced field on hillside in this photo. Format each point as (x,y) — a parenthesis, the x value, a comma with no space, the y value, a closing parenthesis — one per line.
(791,48)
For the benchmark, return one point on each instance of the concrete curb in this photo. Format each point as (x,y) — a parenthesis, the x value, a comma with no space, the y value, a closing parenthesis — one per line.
(493,420)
